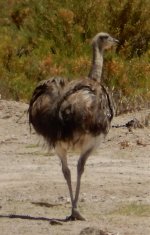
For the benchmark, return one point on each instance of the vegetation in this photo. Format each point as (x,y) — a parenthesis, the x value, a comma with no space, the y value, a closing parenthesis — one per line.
(134,209)
(44,38)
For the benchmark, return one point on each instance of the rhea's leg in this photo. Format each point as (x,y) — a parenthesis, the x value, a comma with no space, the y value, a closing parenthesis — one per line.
(80,169)
(62,153)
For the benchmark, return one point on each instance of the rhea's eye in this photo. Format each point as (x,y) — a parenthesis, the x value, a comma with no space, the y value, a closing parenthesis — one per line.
(104,37)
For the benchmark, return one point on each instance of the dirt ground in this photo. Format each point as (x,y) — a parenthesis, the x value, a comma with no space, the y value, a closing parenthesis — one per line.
(115,190)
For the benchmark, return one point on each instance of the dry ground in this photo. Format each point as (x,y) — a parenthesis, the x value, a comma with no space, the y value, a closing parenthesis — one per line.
(115,193)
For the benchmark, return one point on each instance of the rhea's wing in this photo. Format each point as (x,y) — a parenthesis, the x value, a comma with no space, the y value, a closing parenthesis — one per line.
(85,108)
(43,108)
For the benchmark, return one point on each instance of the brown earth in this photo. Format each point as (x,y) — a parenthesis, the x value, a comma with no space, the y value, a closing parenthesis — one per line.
(115,193)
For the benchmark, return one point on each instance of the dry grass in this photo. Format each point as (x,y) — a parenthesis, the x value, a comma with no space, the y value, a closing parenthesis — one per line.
(133,209)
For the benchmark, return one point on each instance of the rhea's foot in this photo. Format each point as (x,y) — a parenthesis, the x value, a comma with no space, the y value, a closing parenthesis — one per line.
(75,216)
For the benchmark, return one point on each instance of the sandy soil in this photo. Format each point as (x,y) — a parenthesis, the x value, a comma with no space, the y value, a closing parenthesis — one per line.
(115,192)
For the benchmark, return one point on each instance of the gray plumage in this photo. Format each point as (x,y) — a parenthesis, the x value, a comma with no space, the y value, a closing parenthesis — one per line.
(74,114)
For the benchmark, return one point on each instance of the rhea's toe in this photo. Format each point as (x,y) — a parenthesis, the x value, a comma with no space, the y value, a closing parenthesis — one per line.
(75,216)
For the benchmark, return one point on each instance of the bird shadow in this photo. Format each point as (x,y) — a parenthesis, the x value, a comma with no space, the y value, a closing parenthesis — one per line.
(52,221)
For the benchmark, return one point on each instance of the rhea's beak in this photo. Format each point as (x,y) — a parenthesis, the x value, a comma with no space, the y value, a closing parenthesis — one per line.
(116,41)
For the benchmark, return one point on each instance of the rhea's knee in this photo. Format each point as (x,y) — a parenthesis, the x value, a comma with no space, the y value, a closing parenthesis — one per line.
(80,166)
(66,173)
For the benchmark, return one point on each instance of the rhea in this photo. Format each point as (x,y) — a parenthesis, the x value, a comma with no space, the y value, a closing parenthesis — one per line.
(74,114)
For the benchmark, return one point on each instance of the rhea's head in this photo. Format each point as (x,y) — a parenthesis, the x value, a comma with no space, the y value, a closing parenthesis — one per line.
(104,41)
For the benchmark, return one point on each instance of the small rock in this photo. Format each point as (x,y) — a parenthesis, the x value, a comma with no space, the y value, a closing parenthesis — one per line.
(67,200)
(82,200)
(124,144)
(94,231)
(61,198)
(140,142)
(55,222)
(6,116)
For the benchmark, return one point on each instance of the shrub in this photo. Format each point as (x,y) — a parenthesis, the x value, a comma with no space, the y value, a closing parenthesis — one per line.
(46,38)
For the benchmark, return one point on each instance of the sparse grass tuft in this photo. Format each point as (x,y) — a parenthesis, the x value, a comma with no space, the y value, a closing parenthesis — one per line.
(133,209)
(32,146)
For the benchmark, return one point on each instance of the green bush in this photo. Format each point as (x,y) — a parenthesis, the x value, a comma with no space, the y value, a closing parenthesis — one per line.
(44,38)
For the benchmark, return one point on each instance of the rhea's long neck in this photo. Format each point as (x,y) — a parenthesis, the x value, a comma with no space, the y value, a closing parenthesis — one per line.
(97,64)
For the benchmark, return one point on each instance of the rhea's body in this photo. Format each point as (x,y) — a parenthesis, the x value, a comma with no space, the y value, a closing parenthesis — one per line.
(74,114)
